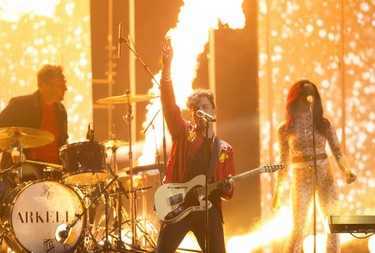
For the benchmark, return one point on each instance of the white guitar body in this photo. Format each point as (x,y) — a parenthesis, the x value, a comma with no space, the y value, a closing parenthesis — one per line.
(169,199)
(174,201)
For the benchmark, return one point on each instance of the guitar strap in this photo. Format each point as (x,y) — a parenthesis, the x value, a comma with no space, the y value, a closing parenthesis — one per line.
(214,157)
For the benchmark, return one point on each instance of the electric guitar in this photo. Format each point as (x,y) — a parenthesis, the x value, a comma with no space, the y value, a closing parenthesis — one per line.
(174,201)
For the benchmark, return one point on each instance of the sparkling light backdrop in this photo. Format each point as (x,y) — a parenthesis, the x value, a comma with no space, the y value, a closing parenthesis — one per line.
(34,33)
(297,39)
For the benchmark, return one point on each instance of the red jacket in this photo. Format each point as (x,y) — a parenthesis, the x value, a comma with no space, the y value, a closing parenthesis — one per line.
(186,142)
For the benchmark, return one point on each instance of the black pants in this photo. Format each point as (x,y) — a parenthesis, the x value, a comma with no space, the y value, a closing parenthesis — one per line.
(171,234)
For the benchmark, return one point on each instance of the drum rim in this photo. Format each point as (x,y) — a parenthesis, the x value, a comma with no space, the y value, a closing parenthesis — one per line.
(11,239)
(65,146)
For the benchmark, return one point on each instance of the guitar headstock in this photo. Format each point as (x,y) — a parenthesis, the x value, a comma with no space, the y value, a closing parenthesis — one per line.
(271,167)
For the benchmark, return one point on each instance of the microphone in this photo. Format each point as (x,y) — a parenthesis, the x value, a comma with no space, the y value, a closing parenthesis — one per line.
(120,40)
(90,132)
(65,234)
(207,117)
(310,92)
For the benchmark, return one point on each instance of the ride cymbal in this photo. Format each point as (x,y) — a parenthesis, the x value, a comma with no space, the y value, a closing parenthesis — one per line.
(25,137)
(115,143)
(125,99)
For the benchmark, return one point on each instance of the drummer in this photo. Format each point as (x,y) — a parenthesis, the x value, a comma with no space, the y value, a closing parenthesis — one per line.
(41,110)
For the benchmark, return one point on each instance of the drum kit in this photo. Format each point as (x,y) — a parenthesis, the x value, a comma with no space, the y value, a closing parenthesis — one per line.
(77,206)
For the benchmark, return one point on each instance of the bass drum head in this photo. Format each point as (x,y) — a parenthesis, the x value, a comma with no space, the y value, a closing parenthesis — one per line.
(36,213)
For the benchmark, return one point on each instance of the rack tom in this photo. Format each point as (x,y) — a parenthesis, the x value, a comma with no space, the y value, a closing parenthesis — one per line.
(84,163)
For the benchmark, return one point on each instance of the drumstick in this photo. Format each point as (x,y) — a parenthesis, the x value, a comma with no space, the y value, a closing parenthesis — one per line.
(46,164)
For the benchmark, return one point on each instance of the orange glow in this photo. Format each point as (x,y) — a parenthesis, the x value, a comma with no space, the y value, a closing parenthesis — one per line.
(265,233)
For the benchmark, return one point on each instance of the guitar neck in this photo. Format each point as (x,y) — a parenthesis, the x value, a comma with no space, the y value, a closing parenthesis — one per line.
(219,184)
(264,168)
(246,174)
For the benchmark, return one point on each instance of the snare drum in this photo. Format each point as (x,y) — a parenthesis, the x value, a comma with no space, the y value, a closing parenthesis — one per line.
(32,214)
(84,163)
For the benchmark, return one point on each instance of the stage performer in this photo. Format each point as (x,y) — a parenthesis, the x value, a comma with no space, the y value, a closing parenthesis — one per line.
(42,110)
(294,137)
(191,147)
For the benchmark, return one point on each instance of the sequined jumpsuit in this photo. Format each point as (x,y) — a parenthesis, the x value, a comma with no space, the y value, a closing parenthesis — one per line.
(297,144)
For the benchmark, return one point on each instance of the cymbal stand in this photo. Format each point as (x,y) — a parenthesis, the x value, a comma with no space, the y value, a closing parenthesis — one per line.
(131,47)
(120,245)
(146,237)
(17,145)
(129,118)
(120,189)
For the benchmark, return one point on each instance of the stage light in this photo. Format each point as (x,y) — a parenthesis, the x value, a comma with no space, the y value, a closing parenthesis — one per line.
(371,244)
(308,243)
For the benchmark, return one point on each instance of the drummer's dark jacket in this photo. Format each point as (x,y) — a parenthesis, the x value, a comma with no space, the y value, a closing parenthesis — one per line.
(26,111)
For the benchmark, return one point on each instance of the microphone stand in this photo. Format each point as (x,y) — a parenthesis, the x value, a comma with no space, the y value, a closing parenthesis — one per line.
(120,244)
(206,165)
(315,165)
(145,67)
(128,117)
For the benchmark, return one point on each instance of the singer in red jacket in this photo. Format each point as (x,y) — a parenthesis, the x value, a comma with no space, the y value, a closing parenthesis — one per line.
(195,150)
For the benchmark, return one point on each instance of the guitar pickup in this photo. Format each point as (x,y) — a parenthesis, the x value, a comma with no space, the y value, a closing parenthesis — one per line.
(176,199)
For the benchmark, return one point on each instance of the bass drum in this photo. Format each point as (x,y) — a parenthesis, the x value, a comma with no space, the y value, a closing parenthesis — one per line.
(33,213)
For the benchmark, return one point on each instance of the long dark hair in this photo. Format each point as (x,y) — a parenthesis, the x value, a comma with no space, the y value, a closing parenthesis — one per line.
(298,89)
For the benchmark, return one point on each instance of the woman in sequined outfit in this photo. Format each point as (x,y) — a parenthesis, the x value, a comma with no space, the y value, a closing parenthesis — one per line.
(294,137)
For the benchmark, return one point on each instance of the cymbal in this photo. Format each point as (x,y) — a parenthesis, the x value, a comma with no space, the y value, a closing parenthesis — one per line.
(142,168)
(115,143)
(125,99)
(24,136)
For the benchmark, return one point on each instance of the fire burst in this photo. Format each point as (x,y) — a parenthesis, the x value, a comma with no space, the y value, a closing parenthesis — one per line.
(192,32)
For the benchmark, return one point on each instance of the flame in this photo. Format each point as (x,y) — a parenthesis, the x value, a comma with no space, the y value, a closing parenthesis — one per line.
(195,21)
(277,228)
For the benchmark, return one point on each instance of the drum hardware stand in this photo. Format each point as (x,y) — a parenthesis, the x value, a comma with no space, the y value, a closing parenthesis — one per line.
(129,117)
(138,225)
(17,146)
(134,246)
(143,227)
(120,189)
(152,76)
(120,245)
(63,234)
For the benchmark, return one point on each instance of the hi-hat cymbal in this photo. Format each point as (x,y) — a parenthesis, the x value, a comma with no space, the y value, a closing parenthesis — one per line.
(24,136)
(115,143)
(143,168)
(125,99)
